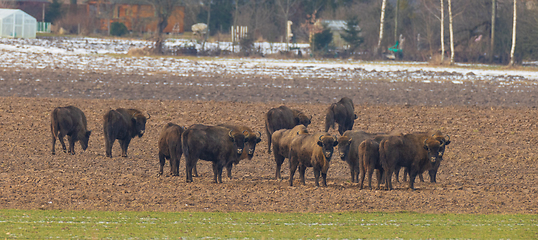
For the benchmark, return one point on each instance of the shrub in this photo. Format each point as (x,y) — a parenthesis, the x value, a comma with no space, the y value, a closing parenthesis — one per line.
(118,29)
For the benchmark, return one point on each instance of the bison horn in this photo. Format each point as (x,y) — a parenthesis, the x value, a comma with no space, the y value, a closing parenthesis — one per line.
(259,134)
(320,136)
(245,131)
(149,116)
(230,134)
(425,140)
(448,138)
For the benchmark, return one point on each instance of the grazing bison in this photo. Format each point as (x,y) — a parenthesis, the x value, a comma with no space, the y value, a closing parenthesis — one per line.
(251,139)
(348,147)
(170,147)
(312,151)
(69,121)
(281,145)
(283,118)
(343,113)
(216,144)
(417,152)
(124,125)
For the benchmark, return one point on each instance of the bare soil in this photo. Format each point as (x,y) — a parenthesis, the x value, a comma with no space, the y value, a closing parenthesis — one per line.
(490,166)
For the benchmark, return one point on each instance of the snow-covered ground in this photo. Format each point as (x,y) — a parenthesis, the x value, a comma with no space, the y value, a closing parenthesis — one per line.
(90,54)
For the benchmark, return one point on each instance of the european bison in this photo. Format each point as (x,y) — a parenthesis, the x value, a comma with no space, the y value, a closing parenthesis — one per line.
(369,161)
(417,152)
(170,147)
(251,139)
(312,151)
(432,172)
(283,118)
(216,144)
(124,125)
(69,121)
(343,113)
(348,147)
(281,145)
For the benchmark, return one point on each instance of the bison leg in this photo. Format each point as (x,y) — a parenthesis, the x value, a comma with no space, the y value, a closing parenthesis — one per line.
(362,174)
(316,175)
(269,134)
(229,170)
(71,141)
(302,170)
(433,175)
(195,170)
(293,168)
(175,157)
(124,145)
(324,179)
(379,178)
(189,163)
(388,179)
(370,174)
(217,173)
(421,177)
(108,146)
(54,136)
(412,176)
(61,138)
(162,160)
(279,160)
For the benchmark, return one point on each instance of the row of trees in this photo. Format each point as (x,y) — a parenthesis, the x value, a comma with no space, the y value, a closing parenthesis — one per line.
(475,31)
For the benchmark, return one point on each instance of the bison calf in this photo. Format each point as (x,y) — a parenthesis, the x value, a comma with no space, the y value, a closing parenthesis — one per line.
(348,147)
(369,161)
(283,118)
(343,113)
(69,121)
(312,151)
(170,147)
(218,145)
(124,125)
(281,145)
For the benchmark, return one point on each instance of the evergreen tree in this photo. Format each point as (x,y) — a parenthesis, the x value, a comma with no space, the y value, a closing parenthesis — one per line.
(352,34)
(54,11)
(322,40)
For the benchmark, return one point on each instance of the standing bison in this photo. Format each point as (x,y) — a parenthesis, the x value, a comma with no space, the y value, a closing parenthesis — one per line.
(251,139)
(216,144)
(348,147)
(312,151)
(417,152)
(124,125)
(281,145)
(170,147)
(283,118)
(343,113)
(69,121)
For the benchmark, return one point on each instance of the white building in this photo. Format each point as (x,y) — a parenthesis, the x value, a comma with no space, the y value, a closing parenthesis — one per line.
(17,23)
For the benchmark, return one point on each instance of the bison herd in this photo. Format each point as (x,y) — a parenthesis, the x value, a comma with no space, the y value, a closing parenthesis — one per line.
(287,137)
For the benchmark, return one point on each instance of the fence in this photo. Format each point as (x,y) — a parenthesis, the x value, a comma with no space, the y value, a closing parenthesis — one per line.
(43,27)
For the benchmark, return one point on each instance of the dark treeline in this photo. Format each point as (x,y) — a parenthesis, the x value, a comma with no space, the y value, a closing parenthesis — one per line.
(417,21)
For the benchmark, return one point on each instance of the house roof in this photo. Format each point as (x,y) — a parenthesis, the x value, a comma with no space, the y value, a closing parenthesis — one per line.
(4,12)
(37,1)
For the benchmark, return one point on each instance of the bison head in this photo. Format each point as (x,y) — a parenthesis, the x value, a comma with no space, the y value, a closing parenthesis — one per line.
(327,143)
(250,143)
(301,118)
(238,139)
(343,147)
(435,149)
(84,140)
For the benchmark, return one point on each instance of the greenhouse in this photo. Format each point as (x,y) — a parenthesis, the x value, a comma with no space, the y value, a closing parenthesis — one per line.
(17,24)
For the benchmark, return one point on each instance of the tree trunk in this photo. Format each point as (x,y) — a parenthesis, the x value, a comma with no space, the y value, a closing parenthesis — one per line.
(207,30)
(396,21)
(493,16)
(451,29)
(513,35)
(442,32)
(382,22)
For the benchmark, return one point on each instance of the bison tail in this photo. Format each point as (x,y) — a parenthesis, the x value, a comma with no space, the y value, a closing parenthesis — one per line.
(54,123)
(329,119)
(184,144)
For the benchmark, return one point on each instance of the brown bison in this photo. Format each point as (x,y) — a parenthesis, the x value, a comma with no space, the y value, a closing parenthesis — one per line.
(343,113)
(417,152)
(369,161)
(170,147)
(124,125)
(281,145)
(348,147)
(312,151)
(219,145)
(251,139)
(432,172)
(69,121)
(283,118)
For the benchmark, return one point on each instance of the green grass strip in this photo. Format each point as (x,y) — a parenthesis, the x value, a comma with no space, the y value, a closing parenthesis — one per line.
(38,224)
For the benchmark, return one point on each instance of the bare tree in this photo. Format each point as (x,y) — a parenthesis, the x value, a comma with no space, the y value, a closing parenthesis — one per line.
(382,22)
(285,7)
(442,31)
(451,29)
(513,35)
(492,40)
(163,10)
